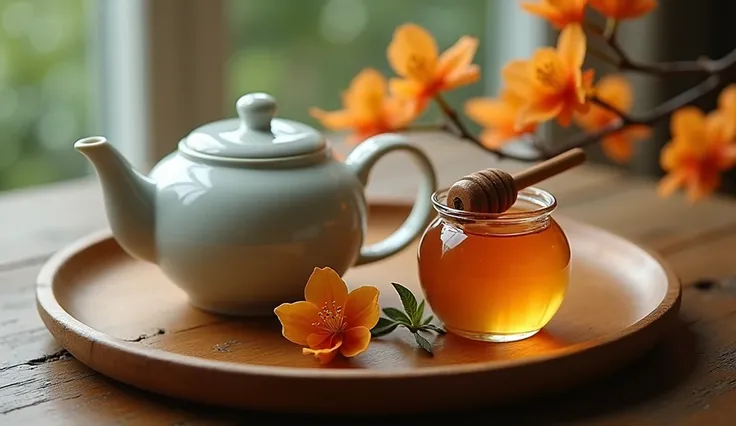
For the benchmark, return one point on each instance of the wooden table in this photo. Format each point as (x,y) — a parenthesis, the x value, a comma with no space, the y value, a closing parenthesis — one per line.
(688,379)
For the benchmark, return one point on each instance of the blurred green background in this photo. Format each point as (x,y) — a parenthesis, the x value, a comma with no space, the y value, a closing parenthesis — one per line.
(303,52)
(44,90)
(306,52)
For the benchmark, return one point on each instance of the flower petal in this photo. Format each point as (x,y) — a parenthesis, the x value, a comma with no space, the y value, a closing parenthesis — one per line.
(726,157)
(639,8)
(538,112)
(498,137)
(587,82)
(411,91)
(489,112)
(727,99)
(720,129)
(616,90)
(335,120)
(405,88)
(594,119)
(669,184)
(558,12)
(458,56)
(326,287)
(628,9)
(296,321)
(617,147)
(564,117)
(516,77)
(413,53)
(543,9)
(702,184)
(366,95)
(461,77)
(548,71)
(362,307)
(638,132)
(398,113)
(355,340)
(320,340)
(327,354)
(688,125)
(568,6)
(580,93)
(571,46)
(672,156)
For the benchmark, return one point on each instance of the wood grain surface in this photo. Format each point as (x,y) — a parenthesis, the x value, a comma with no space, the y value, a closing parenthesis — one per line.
(688,379)
(100,303)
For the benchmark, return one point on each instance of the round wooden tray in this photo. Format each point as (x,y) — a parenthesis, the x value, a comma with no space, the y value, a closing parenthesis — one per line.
(124,319)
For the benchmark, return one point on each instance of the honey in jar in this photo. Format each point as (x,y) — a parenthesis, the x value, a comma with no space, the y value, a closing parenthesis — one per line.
(495,277)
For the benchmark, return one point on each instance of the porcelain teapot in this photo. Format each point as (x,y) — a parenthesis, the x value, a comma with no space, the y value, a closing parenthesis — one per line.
(245,208)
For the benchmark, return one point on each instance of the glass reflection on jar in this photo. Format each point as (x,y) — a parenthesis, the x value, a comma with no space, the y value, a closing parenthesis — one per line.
(492,277)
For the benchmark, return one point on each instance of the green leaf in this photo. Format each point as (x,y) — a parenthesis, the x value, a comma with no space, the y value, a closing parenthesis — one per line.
(416,320)
(382,331)
(407,299)
(383,322)
(397,316)
(424,343)
(428,320)
(432,327)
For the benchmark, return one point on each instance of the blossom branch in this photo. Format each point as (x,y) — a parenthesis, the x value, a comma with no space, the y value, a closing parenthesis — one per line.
(625,63)
(463,132)
(718,69)
(611,108)
(656,114)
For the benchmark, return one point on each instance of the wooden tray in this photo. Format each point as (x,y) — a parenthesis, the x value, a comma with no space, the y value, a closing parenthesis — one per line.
(124,319)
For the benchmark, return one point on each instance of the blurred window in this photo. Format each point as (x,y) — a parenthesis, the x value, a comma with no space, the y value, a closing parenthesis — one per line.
(306,52)
(144,73)
(45,90)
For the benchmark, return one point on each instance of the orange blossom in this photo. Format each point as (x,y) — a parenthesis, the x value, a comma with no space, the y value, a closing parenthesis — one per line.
(331,319)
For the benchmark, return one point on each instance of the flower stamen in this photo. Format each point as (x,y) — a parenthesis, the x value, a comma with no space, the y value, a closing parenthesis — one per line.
(331,318)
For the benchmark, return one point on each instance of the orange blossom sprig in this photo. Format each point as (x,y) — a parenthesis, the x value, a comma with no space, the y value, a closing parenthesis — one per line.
(552,86)
(332,320)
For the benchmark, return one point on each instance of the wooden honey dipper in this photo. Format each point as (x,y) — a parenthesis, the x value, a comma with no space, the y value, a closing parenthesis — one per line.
(495,191)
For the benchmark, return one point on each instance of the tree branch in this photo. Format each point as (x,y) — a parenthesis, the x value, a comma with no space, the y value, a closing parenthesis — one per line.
(463,132)
(660,112)
(602,103)
(716,72)
(664,68)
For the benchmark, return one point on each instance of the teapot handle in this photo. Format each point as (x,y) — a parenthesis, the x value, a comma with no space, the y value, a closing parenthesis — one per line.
(362,159)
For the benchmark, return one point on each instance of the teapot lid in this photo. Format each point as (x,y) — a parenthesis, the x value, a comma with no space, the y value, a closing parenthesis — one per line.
(255,134)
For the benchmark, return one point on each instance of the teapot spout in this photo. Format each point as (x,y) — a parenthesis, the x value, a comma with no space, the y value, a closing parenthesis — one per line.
(129,197)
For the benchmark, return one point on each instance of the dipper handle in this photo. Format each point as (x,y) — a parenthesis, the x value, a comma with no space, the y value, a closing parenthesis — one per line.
(549,168)
(495,191)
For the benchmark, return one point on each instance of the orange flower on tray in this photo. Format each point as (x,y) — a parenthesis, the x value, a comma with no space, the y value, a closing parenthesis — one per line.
(413,54)
(623,9)
(498,117)
(702,147)
(552,83)
(331,320)
(615,90)
(559,13)
(368,110)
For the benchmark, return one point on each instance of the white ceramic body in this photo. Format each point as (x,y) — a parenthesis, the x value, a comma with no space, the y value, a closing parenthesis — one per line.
(241,237)
(235,238)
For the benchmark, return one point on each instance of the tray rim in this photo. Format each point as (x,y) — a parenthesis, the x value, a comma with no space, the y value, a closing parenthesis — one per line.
(60,323)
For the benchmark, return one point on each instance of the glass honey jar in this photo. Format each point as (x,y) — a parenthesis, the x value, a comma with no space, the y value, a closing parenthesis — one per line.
(495,277)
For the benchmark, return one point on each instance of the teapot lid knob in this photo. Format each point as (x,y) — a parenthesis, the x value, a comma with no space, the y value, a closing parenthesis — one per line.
(256,110)
(257,133)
